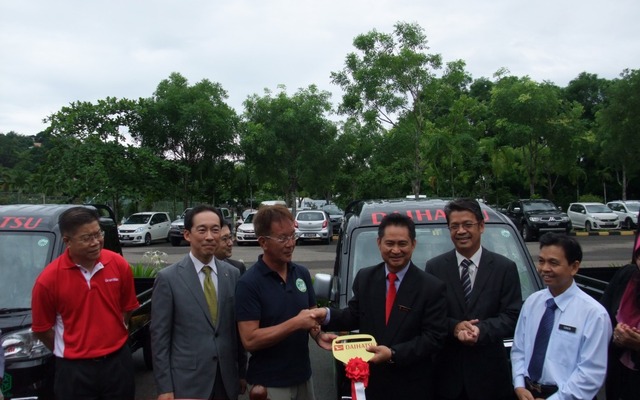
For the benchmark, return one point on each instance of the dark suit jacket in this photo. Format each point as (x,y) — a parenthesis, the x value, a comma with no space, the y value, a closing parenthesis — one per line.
(416,329)
(482,370)
(187,347)
(238,264)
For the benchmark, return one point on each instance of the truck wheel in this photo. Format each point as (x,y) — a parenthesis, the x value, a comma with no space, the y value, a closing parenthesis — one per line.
(175,241)
(147,239)
(587,226)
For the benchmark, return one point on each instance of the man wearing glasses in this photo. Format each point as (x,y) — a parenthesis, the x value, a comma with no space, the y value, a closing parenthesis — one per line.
(225,249)
(276,310)
(81,306)
(483,304)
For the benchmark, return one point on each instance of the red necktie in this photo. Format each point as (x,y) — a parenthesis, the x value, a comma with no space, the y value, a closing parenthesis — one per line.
(391,295)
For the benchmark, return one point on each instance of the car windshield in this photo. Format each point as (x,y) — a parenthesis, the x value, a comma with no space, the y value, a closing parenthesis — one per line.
(539,206)
(310,216)
(633,207)
(332,209)
(23,255)
(597,208)
(137,219)
(433,240)
(249,219)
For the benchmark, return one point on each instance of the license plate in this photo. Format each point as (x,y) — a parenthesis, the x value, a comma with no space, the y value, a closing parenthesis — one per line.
(309,235)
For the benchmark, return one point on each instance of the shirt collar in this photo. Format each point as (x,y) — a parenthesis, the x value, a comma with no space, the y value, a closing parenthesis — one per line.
(68,263)
(199,264)
(400,274)
(562,300)
(475,258)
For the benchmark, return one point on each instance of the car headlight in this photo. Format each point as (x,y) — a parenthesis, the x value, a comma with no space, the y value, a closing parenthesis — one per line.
(534,219)
(23,345)
(565,219)
(174,226)
(139,230)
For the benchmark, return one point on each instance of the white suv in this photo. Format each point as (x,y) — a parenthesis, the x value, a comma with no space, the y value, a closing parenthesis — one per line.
(144,228)
(627,212)
(592,216)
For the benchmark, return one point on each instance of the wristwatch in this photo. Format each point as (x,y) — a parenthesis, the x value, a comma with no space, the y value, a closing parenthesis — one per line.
(393,354)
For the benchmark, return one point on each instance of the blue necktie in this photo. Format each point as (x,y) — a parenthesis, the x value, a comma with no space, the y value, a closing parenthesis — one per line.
(542,340)
(466,281)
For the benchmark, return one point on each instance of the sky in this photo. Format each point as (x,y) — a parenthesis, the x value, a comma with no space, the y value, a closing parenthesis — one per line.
(54,53)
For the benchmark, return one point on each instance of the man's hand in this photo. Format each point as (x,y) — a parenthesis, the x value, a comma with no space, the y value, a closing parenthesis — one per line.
(523,394)
(325,340)
(166,396)
(382,354)
(243,386)
(467,332)
(308,319)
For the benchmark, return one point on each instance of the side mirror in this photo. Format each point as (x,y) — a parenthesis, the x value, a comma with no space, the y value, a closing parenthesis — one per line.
(322,284)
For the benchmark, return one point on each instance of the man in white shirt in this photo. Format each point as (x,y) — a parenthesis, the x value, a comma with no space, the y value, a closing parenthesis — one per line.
(572,364)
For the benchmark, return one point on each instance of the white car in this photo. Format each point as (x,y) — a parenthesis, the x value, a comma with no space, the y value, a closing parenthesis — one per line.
(592,216)
(144,228)
(245,232)
(627,211)
(313,225)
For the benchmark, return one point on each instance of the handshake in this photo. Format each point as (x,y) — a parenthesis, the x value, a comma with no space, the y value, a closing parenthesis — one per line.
(311,319)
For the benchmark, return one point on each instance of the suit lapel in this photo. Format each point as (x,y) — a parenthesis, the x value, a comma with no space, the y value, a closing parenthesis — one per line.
(379,292)
(483,274)
(453,276)
(189,276)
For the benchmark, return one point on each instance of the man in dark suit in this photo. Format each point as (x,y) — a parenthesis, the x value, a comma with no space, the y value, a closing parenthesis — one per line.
(483,304)
(402,367)
(194,337)
(224,249)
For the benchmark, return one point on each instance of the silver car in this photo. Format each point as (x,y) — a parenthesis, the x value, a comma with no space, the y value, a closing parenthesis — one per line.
(627,211)
(592,216)
(313,225)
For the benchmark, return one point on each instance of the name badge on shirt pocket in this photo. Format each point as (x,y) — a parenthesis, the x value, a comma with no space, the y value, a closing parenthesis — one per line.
(567,328)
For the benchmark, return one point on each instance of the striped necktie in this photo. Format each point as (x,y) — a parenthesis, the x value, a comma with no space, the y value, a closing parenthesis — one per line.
(465,279)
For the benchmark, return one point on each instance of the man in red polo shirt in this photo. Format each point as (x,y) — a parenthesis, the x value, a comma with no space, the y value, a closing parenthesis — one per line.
(81,305)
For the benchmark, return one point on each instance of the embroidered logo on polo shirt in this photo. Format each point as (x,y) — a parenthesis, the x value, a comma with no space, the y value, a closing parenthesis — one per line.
(111,279)
(301,285)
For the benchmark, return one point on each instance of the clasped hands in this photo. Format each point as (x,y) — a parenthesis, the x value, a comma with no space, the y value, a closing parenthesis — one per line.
(467,332)
(627,336)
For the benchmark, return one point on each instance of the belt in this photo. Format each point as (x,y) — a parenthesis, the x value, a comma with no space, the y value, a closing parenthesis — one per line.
(539,390)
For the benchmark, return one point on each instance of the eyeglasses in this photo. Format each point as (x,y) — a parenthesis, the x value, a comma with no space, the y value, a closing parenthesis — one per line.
(466,226)
(227,238)
(202,230)
(91,237)
(283,239)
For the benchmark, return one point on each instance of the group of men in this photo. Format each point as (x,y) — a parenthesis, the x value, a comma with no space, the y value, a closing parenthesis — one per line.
(439,332)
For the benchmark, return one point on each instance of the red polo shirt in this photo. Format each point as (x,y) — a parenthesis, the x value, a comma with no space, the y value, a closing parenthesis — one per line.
(86,316)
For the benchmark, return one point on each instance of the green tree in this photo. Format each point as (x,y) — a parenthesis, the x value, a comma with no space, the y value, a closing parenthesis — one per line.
(619,127)
(192,125)
(287,138)
(385,81)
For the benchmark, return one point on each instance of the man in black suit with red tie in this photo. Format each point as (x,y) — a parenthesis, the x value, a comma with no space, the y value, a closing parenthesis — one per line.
(404,309)
(483,304)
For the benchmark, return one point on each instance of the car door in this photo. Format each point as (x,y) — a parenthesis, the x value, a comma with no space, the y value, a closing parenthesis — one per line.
(578,215)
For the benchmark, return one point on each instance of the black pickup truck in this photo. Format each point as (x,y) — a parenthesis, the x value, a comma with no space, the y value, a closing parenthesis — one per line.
(29,240)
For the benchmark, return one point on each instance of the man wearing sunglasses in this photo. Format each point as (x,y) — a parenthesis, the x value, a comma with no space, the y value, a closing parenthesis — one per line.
(81,306)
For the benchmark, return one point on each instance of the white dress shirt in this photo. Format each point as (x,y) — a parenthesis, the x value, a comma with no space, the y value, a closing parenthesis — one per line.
(201,276)
(576,358)
(473,268)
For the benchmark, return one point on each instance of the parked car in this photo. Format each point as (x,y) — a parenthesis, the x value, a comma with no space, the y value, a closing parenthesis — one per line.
(245,233)
(176,231)
(30,239)
(313,225)
(336,214)
(357,248)
(627,211)
(592,216)
(534,217)
(144,228)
